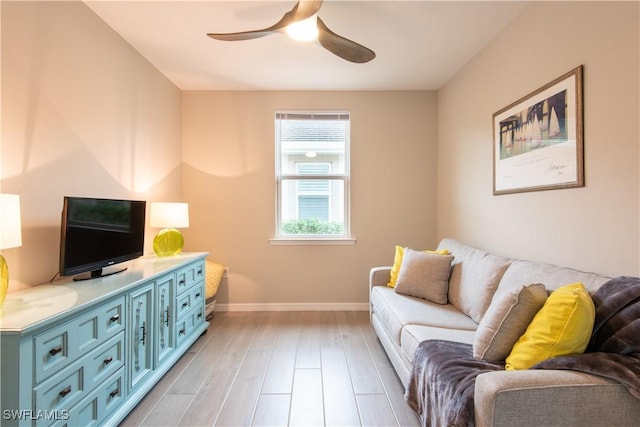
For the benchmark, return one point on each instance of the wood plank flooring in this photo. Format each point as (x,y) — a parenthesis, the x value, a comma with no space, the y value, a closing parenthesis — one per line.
(280,369)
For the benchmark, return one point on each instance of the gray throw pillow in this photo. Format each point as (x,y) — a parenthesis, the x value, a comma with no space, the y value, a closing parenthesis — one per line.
(424,275)
(506,319)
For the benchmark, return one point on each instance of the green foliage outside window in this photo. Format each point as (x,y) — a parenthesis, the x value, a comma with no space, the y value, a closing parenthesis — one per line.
(311,226)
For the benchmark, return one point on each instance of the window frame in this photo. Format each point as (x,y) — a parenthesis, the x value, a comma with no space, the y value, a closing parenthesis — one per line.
(282,178)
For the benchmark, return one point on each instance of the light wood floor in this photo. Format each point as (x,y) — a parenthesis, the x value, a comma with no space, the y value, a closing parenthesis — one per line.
(279,369)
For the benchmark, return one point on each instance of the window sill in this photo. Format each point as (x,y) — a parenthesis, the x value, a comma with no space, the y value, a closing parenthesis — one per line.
(312,241)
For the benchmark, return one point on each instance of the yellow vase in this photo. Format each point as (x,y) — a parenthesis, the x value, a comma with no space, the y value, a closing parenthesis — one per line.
(168,242)
(4,279)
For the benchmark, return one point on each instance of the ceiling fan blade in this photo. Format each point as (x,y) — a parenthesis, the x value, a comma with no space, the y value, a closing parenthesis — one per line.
(303,9)
(343,47)
(243,35)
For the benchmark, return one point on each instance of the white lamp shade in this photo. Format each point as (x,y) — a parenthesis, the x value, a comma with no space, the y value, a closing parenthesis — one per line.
(169,215)
(10,224)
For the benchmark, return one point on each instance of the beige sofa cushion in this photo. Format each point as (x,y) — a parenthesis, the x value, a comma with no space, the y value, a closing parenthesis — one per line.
(395,311)
(475,275)
(412,335)
(506,319)
(552,277)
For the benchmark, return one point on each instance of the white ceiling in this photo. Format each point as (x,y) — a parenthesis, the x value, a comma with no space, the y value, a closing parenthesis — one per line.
(419,44)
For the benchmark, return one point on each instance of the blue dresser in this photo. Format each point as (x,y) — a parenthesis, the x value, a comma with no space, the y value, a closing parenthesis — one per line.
(85,353)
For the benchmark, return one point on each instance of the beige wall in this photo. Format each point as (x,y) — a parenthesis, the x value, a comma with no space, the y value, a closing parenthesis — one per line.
(82,114)
(85,114)
(229,181)
(595,228)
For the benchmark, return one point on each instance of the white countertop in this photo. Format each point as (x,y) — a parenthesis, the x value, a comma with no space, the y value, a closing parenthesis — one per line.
(24,309)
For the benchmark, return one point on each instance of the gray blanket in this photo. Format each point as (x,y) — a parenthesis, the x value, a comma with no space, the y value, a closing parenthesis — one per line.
(443,373)
(442,382)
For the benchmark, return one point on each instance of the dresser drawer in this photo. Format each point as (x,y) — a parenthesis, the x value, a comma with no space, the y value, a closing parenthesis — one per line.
(97,405)
(61,391)
(188,323)
(184,305)
(112,394)
(190,275)
(105,360)
(64,343)
(194,297)
(73,383)
(197,296)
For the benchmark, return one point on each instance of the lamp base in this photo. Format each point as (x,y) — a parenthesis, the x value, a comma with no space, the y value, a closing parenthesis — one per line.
(4,279)
(168,242)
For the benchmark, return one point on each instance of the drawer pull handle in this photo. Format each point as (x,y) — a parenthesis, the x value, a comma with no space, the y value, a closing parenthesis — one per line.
(199,315)
(114,393)
(200,272)
(108,360)
(65,391)
(184,304)
(181,282)
(144,332)
(115,318)
(181,331)
(55,350)
(198,295)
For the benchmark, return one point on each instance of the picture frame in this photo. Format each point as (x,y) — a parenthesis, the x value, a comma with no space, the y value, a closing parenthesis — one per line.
(538,140)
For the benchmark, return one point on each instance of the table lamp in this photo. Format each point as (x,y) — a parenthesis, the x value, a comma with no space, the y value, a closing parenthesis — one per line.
(169,217)
(10,235)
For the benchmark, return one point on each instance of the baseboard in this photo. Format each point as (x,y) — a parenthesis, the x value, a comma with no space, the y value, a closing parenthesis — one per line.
(303,306)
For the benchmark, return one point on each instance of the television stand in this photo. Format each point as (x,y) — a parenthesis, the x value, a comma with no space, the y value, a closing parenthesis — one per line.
(85,354)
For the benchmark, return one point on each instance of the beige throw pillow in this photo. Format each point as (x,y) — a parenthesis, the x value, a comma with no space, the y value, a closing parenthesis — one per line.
(424,275)
(506,319)
(475,275)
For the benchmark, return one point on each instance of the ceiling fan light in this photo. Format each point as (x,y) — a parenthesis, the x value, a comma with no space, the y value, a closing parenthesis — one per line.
(304,31)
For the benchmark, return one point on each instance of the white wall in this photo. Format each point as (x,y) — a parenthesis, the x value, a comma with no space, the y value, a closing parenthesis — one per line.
(595,228)
(229,181)
(82,114)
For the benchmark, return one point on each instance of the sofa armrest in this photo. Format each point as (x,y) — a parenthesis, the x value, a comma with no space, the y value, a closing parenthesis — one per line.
(552,398)
(379,276)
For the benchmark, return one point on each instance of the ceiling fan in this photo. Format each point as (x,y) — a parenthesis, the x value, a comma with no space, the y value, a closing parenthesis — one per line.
(306,12)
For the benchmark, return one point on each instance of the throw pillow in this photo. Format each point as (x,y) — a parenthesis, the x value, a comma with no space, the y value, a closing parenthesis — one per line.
(424,275)
(506,319)
(563,326)
(397,262)
(475,276)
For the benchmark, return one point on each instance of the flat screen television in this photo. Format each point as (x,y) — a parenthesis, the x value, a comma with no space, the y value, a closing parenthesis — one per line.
(98,233)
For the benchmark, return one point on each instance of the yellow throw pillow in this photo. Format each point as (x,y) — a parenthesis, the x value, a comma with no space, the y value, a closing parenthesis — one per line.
(397,262)
(563,326)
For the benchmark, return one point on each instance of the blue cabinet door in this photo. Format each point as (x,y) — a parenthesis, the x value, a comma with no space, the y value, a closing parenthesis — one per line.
(140,323)
(165,316)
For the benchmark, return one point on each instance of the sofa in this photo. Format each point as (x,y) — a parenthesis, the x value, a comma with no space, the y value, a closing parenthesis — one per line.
(504,397)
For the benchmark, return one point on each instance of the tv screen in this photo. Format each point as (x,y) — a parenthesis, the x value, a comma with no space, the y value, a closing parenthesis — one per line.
(97,233)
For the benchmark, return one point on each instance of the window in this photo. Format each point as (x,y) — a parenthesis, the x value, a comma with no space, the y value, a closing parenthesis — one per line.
(312,175)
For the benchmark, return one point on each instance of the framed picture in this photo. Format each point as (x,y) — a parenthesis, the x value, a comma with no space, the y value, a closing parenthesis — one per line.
(537,140)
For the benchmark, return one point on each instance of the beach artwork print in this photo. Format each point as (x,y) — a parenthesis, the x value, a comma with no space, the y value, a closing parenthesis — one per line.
(539,126)
(538,139)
